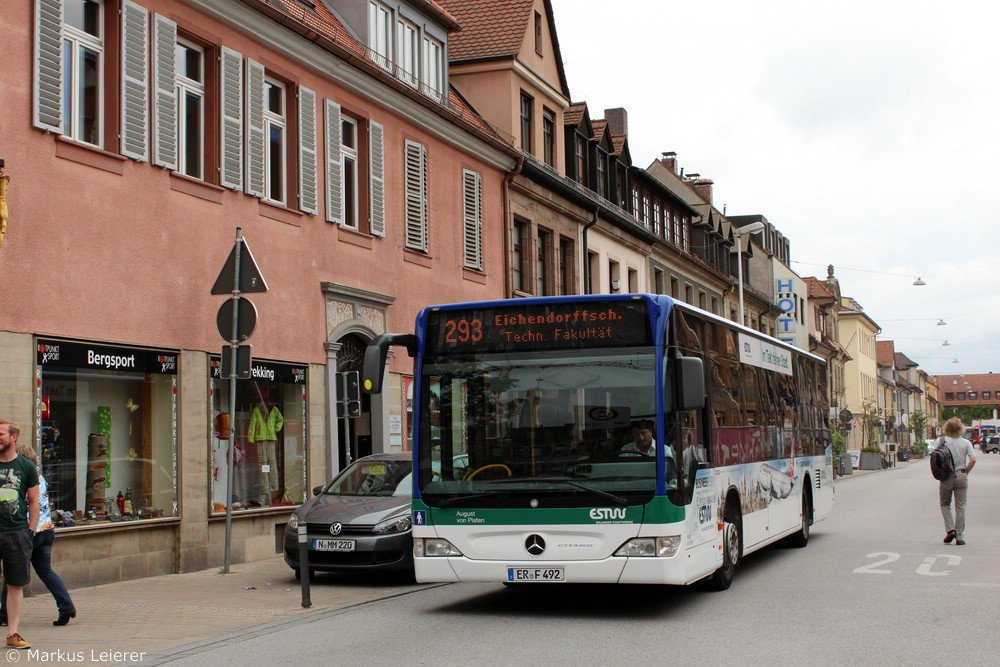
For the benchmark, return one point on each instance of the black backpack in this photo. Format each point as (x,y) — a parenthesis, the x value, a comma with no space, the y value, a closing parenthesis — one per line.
(942,463)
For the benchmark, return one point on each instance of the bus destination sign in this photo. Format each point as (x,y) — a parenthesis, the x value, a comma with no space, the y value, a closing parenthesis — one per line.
(564,325)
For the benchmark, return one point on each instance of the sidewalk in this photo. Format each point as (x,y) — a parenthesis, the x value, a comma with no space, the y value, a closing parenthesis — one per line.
(132,621)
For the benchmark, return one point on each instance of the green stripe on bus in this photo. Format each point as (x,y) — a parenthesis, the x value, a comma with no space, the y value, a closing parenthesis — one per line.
(658,510)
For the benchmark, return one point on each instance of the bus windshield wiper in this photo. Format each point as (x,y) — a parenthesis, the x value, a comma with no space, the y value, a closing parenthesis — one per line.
(448,502)
(566,480)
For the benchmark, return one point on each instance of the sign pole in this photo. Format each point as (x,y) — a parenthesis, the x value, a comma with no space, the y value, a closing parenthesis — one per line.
(234,342)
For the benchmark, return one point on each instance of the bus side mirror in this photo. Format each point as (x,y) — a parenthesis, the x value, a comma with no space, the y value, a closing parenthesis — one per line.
(375,354)
(690,389)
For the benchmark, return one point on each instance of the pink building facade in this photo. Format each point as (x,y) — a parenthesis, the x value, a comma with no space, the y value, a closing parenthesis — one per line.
(138,137)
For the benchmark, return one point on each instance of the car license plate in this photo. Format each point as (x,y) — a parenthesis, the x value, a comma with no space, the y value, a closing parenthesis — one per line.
(535,574)
(333,545)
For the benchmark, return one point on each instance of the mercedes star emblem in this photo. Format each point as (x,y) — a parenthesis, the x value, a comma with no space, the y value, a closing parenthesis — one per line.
(534,545)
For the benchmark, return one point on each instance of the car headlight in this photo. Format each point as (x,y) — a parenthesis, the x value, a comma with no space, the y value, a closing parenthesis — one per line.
(397,524)
(293,522)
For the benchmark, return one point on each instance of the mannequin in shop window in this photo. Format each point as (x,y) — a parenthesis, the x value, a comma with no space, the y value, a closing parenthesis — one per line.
(265,424)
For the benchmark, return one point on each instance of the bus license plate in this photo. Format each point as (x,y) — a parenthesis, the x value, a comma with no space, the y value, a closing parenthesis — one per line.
(333,545)
(535,574)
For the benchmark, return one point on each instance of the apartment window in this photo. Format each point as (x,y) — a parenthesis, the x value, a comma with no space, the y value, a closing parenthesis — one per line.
(565,266)
(549,136)
(433,71)
(645,210)
(949,396)
(190,79)
(593,268)
(416,196)
(408,52)
(973,395)
(658,281)
(614,276)
(675,233)
(274,148)
(986,395)
(675,289)
(83,62)
(380,34)
(602,174)
(656,218)
(349,162)
(346,186)
(961,395)
(527,117)
(541,271)
(538,33)
(473,216)
(580,158)
(635,203)
(517,242)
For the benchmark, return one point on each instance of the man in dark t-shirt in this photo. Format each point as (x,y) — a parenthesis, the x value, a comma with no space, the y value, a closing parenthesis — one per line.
(18,520)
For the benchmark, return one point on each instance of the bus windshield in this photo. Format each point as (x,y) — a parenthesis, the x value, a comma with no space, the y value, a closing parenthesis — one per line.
(499,428)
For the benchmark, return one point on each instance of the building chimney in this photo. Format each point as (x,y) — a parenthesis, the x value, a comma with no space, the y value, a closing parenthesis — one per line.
(670,161)
(617,121)
(703,188)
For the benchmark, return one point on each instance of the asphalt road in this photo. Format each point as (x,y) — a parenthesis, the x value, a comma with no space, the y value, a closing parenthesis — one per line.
(875,586)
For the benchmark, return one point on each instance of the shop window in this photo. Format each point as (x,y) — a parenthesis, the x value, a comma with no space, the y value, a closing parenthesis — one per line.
(265,433)
(108,431)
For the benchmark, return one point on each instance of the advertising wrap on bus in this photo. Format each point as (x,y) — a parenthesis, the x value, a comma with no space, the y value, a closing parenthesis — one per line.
(607,438)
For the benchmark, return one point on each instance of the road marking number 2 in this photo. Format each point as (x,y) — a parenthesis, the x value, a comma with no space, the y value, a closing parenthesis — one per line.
(926,568)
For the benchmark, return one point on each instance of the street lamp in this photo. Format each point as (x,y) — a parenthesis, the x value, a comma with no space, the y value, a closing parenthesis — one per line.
(739,233)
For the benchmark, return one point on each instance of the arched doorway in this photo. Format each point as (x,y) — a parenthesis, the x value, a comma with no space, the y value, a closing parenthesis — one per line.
(354,433)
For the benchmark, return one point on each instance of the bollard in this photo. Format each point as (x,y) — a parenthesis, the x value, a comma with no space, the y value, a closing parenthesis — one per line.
(304,564)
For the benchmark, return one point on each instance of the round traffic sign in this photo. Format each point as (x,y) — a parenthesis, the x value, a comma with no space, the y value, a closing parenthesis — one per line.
(246,319)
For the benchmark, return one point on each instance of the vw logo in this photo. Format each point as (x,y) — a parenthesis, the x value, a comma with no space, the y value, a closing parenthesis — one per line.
(534,545)
(336,528)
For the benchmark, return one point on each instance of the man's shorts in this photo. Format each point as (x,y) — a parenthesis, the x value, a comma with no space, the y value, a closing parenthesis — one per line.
(15,553)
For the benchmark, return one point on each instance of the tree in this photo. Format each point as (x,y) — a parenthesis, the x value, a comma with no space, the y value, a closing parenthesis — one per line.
(918,424)
(870,423)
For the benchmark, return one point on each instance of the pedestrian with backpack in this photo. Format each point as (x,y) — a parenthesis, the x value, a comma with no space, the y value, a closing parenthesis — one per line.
(957,485)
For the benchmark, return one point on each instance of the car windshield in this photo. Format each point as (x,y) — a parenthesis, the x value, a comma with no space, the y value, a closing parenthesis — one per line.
(372,478)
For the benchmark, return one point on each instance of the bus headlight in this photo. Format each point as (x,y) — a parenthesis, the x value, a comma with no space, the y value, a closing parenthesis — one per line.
(433,547)
(650,547)
(397,524)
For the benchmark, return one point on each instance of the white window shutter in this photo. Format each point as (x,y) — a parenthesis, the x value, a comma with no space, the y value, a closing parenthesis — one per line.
(376,167)
(308,197)
(48,100)
(165,94)
(135,81)
(255,129)
(416,196)
(334,165)
(472,187)
(231,93)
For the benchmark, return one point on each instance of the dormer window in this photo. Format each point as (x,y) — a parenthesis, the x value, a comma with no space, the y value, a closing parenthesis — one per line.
(380,34)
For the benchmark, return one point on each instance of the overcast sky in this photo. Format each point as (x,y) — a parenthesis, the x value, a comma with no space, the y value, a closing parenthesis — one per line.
(866,132)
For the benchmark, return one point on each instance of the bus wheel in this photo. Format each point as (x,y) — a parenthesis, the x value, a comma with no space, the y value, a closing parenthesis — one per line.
(801,538)
(731,542)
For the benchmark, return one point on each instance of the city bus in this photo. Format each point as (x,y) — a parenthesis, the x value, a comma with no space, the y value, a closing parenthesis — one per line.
(543,400)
